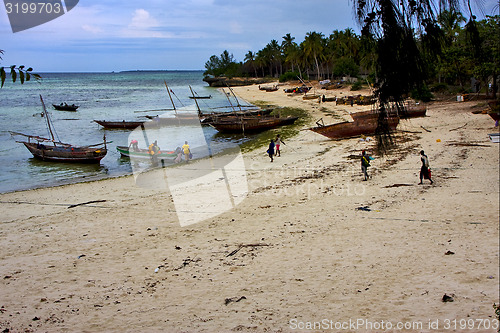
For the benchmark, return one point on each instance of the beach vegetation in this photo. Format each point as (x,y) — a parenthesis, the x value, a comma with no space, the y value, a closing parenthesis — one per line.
(357,85)
(396,53)
(223,65)
(262,139)
(422,93)
(291,76)
(21,72)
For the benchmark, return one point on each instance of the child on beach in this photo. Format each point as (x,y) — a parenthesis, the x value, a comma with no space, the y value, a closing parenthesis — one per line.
(178,151)
(185,149)
(365,163)
(277,144)
(425,172)
(270,151)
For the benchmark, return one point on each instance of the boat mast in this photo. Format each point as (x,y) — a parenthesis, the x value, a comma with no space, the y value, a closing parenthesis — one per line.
(171,100)
(196,102)
(48,121)
(231,104)
(236,98)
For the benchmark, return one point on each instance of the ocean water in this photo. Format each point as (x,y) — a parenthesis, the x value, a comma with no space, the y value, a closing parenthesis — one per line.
(101,96)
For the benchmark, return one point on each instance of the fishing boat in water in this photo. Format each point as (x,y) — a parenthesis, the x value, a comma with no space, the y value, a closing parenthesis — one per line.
(250,124)
(124,124)
(145,153)
(65,107)
(201,97)
(52,149)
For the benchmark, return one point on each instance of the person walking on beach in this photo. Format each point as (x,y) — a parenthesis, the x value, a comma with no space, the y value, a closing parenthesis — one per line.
(186,150)
(270,151)
(277,144)
(365,163)
(425,172)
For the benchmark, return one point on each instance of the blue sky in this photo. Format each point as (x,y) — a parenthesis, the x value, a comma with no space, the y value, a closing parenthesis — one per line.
(101,36)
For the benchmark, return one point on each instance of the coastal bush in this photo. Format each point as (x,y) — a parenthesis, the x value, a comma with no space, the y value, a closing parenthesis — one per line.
(291,76)
(223,65)
(422,93)
(345,67)
(357,85)
(439,87)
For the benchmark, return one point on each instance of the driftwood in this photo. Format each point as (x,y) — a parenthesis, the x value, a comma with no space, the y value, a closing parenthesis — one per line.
(85,203)
(233,299)
(187,262)
(454,129)
(425,129)
(245,245)
(397,185)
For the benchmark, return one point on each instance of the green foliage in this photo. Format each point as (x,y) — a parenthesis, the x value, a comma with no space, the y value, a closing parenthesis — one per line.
(15,72)
(345,67)
(357,85)
(439,87)
(291,76)
(422,93)
(223,65)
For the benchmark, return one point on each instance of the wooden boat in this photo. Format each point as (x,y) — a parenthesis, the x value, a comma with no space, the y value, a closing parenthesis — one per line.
(250,124)
(207,118)
(65,107)
(410,111)
(344,130)
(309,97)
(50,149)
(268,88)
(144,153)
(201,97)
(495,110)
(179,119)
(413,112)
(328,99)
(119,124)
(298,90)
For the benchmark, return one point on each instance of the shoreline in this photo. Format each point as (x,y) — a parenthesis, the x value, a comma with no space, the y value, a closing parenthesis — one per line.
(310,240)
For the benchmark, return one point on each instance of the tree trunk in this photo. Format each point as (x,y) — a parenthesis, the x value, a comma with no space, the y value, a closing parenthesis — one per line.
(317,65)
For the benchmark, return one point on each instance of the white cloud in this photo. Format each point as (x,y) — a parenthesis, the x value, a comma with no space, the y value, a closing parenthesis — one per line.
(92,29)
(143,25)
(142,20)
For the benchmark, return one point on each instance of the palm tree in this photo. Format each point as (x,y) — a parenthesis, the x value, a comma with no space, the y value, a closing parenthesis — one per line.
(400,64)
(250,58)
(287,46)
(313,46)
(262,60)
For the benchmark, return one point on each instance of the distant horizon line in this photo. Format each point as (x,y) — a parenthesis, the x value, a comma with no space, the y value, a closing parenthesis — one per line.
(124,71)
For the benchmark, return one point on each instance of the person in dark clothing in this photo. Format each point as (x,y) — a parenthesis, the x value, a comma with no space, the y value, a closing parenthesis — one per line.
(425,172)
(270,151)
(365,163)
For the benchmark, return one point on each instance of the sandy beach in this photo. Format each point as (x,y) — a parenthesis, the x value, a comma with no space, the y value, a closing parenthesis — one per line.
(310,248)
